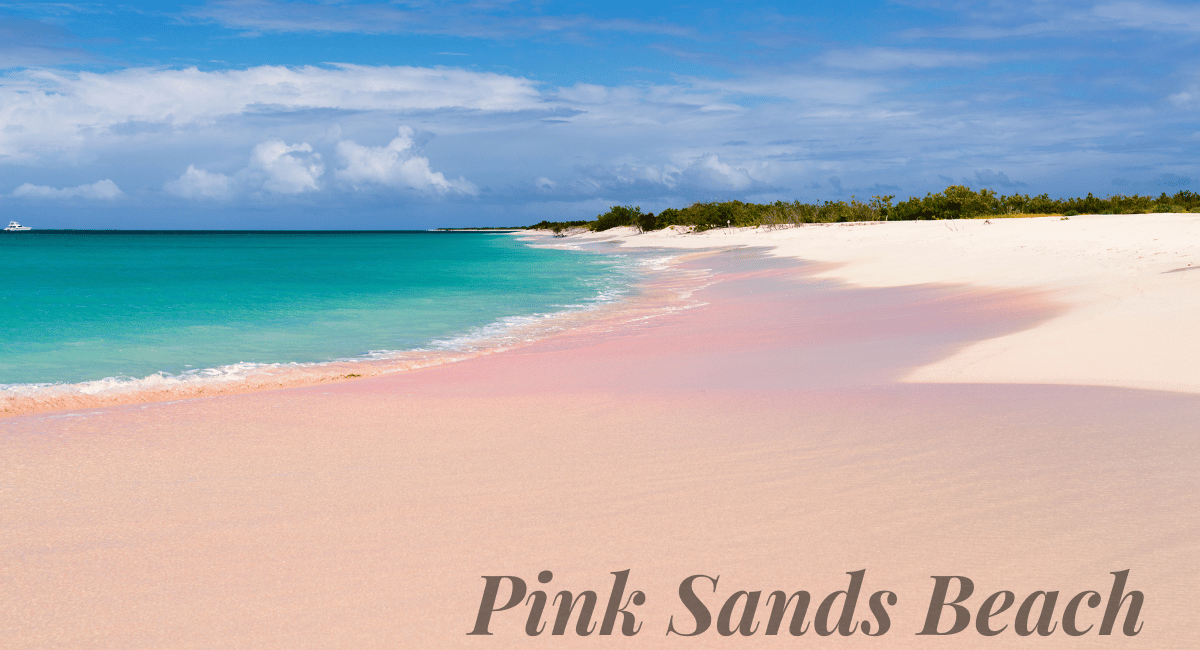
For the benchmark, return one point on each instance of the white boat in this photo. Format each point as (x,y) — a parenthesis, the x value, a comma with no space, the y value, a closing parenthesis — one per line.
(13,226)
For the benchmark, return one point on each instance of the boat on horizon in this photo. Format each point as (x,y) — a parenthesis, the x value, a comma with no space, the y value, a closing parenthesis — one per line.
(13,226)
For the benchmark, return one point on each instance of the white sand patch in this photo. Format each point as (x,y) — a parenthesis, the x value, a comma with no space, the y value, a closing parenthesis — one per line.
(1134,302)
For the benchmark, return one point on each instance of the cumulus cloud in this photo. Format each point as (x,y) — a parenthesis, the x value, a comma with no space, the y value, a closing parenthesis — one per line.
(200,184)
(633,142)
(289,169)
(394,165)
(274,167)
(102,190)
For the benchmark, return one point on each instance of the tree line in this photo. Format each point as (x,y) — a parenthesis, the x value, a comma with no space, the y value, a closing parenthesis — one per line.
(955,202)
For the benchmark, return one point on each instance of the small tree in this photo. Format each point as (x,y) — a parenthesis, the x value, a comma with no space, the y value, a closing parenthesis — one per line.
(646,222)
(618,215)
(882,205)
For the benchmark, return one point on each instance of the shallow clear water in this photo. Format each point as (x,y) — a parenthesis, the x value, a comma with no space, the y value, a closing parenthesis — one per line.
(84,306)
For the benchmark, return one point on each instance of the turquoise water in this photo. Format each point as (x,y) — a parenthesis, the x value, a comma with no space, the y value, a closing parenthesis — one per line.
(85,306)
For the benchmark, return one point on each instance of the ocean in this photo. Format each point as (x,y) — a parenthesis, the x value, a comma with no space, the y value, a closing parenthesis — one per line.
(102,310)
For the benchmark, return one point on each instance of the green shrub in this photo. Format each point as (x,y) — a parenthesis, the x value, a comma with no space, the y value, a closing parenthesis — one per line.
(646,222)
(955,202)
(618,215)
(557,226)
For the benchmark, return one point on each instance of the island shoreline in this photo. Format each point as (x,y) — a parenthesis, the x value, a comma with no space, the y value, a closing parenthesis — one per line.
(764,435)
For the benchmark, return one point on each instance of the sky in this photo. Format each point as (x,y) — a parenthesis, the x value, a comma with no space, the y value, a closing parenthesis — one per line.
(346,114)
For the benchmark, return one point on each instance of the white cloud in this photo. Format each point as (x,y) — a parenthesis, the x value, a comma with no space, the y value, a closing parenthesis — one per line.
(104,190)
(1062,19)
(280,168)
(809,90)
(1187,98)
(289,169)
(705,173)
(200,184)
(708,171)
(43,112)
(394,165)
(888,58)
(470,19)
(274,167)
(624,143)
(1153,16)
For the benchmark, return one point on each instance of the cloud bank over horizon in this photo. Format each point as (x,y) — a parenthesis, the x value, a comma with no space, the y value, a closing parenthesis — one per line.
(422,143)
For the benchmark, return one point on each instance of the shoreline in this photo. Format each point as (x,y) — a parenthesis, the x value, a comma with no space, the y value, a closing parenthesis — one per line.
(763,435)
(1130,309)
(513,333)
(1103,307)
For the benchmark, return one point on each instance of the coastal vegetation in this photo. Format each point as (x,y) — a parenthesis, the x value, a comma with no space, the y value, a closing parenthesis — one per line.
(955,202)
(559,226)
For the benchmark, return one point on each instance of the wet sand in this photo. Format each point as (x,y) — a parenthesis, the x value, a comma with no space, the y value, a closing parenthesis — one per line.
(762,437)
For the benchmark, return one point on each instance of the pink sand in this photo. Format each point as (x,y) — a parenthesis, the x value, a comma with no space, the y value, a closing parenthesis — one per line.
(761,438)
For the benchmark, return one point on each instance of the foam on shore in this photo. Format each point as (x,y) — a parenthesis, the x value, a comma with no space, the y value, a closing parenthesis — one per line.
(760,437)
(611,305)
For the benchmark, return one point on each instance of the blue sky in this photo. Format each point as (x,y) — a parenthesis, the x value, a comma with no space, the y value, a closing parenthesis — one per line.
(342,114)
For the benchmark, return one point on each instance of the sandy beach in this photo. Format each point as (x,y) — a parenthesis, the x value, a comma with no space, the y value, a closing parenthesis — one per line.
(1133,308)
(1013,401)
